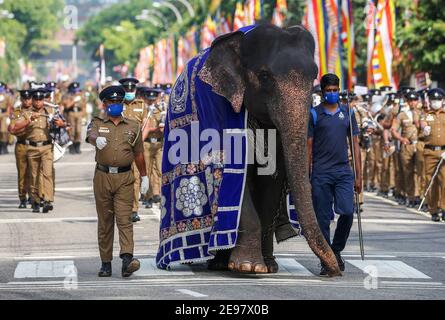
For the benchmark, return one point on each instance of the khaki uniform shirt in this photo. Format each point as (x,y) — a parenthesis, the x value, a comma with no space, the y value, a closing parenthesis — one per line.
(155,122)
(38,129)
(405,121)
(436,120)
(74,102)
(16,116)
(135,110)
(123,141)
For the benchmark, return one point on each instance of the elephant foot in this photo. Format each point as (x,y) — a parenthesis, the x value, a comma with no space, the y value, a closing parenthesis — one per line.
(248,267)
(220,262)
(271,264)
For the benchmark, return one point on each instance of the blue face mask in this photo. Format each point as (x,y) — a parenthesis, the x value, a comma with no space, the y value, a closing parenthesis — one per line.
(130,96)
(331,97)
(115,110)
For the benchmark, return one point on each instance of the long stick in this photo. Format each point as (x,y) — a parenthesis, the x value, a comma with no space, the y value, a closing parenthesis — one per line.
(357,198)
(431,183)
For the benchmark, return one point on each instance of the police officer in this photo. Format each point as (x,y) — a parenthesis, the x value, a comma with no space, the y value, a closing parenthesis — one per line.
(331,175)
(5,112)
(408,121)
(433,124)
(134,109)
(21,159)
(153,135)
(118,143)
(40,150)
(74,104)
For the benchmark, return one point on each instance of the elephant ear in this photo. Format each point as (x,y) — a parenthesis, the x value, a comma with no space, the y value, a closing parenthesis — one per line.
(223,70)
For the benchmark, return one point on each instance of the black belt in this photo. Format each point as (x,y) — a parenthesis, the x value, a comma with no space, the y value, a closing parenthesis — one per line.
(21,142)
(108,169)
(38,144)
(3,110)
(153,140)
(75,109)
(435,148)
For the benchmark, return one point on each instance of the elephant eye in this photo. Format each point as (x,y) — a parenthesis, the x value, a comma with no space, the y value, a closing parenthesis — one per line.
(264,76)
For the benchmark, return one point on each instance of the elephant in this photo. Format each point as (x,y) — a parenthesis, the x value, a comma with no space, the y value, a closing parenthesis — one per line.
(270,71)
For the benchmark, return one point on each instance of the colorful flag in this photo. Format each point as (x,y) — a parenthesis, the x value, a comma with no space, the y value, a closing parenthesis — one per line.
(348,39)
(238,19)
(258,10)
(2,48)
(384,43)
(279,13)
(316,22)
(208,32)
(249,12)
(103,69)
(371,11)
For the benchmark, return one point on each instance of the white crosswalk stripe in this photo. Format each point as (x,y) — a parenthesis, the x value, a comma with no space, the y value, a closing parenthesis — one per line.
(45,269)
(388,269)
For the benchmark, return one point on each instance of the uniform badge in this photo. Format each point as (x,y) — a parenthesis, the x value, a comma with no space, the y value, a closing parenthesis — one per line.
(131,136)
(430,118)
(104,130)
(341,116)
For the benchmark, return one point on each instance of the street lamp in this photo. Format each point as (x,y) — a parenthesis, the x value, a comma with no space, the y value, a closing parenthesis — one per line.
(149,18)
(158,14)
(171,7)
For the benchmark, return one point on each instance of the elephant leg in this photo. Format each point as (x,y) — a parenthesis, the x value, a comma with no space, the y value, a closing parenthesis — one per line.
(220,262)
(247,257)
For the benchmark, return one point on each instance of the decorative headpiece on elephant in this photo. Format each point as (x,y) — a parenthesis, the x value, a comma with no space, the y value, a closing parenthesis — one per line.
(270,72)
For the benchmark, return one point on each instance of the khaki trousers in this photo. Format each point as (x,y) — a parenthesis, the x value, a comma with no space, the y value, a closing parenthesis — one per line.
(23,170)
(137,187)
(40,160)
(114,198)
(75,121)
(420,169)
(408,162)
(153,160)
(436,196)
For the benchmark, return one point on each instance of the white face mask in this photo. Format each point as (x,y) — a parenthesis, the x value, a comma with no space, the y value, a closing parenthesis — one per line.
(436,104)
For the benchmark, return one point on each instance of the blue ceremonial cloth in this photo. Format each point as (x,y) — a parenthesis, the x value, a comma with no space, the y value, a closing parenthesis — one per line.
(201,195)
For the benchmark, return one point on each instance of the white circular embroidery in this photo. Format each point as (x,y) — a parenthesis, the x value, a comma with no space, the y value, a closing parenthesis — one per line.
(163,208)
(191,197)
(178,97)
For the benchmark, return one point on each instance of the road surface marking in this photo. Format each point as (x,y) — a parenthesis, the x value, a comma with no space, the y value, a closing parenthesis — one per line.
(400,221)
(291,266)
(389,269)
(148,268)
(45,269)
(192,293)
(57,189)
(56,220)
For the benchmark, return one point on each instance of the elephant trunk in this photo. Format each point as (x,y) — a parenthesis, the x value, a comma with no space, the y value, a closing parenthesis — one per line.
(291,119)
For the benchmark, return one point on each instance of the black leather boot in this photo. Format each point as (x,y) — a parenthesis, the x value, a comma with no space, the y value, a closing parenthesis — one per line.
(129,265)
(36,207)
(149,204)
(135,217)
(47,206)
(77,148)
(1,147)
(22,204)
(105,270)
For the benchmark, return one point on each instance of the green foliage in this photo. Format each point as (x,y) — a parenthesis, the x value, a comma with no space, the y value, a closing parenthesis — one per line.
(421,38)
(30,32)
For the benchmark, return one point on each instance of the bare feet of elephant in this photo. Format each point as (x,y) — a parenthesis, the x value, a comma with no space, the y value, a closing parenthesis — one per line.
(245,259)
(271,264)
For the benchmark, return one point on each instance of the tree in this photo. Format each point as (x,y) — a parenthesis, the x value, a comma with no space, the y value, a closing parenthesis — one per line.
(421,38)
(31,31)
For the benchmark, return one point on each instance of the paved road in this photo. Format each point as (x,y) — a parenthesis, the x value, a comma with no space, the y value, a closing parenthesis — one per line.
(55,256)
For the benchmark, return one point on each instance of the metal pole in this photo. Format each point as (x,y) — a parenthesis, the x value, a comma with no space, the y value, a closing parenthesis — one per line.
(356,195)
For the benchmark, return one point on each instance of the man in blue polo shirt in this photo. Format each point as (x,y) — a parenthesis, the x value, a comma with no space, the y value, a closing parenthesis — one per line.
(331,174)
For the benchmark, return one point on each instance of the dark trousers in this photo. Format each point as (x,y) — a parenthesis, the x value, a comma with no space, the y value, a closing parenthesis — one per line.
(333,192)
